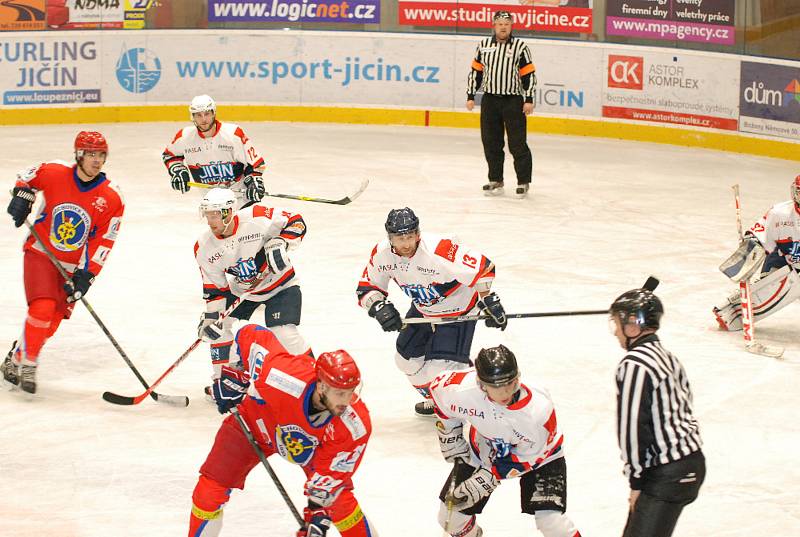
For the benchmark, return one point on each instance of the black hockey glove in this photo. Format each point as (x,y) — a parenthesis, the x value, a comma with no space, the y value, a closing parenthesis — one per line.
(254,186)
(386,314)
(491,306)
(180,176)
(317,523)
(78,286)
(21,204)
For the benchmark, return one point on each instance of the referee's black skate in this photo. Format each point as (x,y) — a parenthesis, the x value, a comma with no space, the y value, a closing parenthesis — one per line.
(493,188)
(522,190)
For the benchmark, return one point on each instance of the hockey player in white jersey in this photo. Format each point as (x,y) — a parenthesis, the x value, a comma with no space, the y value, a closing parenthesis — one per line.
(513,432)
(443,279)
(245,252)
(214,153)
(770,257)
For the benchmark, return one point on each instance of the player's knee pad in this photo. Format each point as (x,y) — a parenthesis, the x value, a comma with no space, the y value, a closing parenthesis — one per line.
(771,293)
(458,524)
(42,312)
(289,336)
(555,524)
(208,499)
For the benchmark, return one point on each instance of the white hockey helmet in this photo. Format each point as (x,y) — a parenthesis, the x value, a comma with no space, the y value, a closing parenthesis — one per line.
(202,103)
(218,199)
(795,190)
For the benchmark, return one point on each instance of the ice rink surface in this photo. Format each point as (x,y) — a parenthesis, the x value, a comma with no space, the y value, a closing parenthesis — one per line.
(603,215)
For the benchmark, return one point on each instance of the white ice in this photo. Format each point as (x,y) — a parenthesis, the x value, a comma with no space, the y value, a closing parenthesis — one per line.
(603,215)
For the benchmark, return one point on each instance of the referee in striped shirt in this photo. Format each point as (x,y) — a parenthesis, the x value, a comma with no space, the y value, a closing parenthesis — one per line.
(658,434)
(504,66)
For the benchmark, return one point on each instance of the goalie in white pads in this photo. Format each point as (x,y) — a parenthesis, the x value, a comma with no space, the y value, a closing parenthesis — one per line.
(513,433)
(443,279)
(214,153)
(771,252)
(246,252)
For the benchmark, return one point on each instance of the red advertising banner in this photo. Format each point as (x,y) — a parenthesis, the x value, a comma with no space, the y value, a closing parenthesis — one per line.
(541,18)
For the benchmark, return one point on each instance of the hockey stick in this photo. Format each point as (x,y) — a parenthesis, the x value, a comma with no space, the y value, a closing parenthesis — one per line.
(128,400)
(748,318)
(651,284)
(175,400)
(342,201)
(270,471)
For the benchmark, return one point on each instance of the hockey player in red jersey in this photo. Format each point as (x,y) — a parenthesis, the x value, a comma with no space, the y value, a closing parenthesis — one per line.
(443,278)
(79,221)
(513,433)
(216,154)
(305,411)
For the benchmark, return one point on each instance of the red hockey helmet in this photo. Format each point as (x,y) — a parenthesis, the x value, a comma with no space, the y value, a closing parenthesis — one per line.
(338,369)
(90,141)
(795,190)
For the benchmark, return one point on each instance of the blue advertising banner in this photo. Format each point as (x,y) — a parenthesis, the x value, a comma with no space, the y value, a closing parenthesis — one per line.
(769,99)
(342,11)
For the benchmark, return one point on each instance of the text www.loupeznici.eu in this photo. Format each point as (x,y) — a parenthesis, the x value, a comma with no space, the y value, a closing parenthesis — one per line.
(352,69)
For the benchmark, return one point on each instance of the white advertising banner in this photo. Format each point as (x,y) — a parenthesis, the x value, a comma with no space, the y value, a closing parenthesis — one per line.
(668,86)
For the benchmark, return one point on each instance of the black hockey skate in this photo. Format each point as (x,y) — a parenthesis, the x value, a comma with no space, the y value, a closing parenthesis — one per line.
(493,188)
(522,190)
(424,409)
(28,378)
(10,368)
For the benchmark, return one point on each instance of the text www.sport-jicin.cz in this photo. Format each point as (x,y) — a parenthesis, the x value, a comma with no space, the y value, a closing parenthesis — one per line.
(352,70)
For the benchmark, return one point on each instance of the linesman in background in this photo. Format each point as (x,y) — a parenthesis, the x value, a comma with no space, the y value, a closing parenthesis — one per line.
(504,68)
(658,435)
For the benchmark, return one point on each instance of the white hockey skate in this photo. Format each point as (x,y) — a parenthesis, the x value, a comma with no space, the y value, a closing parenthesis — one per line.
(493,188)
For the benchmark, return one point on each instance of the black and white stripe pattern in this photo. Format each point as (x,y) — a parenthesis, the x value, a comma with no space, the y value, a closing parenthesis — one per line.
(502,69)
(655,423)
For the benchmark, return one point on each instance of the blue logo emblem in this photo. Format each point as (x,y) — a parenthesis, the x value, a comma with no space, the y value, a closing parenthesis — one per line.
(423,295)
(138,70)
(245,270)
(69,228)
(294,444)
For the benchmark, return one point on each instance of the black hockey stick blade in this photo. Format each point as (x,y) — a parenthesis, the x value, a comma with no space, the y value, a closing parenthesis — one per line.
(343,201)
(651,283)
(124,400)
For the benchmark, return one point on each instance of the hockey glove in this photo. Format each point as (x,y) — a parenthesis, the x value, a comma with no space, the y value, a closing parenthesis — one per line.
(477,486)
(277,261)
(254,187)
(209,329)
(386,314)
(21,204)
(180,176)
(230,388)
(452,442)
(79,285)
(317,523)
(491,306)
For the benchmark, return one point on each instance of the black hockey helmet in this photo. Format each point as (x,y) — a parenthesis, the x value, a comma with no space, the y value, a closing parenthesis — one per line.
(496,366)
(401,221)
(640,304)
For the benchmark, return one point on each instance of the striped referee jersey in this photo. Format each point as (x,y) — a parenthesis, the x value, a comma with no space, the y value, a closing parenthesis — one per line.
(655,424)
(503,69)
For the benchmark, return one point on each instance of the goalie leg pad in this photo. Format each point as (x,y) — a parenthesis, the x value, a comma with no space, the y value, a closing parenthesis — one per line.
(771,293)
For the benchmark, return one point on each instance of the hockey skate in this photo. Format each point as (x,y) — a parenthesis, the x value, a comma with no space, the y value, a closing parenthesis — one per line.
(28,378)
(522,190)
(10,368)
(493,188)
(424,409)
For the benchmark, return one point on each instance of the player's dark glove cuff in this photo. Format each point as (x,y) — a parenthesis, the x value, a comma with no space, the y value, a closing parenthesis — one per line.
(386,314)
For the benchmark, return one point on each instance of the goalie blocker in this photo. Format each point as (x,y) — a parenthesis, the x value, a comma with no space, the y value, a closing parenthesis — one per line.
(771,293)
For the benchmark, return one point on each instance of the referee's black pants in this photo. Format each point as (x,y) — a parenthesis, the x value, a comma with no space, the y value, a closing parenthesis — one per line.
(666,490)
(504,113)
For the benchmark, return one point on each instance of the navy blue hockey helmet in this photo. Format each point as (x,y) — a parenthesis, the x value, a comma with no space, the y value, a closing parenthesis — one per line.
(401,221)
(496,366)
(640,304)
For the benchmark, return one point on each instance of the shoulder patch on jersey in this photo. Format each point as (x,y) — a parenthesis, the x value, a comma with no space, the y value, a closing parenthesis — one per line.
(354,424)
(240,134)
(446,249)
(260,210)
(551,426)
(285,383)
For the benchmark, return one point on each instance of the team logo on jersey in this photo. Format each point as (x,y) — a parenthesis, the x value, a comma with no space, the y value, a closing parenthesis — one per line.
(498,448)
(69,227)
(214,172)
(245,270)
(294,444)
(423,295)
(100,204)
